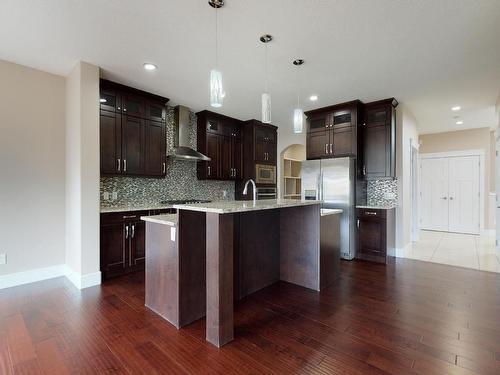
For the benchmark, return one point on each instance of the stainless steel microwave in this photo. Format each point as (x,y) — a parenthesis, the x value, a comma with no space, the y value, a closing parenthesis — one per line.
(265,174)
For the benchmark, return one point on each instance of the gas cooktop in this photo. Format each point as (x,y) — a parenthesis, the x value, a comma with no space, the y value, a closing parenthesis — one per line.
(185,201)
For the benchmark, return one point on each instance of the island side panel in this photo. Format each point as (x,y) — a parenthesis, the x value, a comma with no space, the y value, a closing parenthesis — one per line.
(192,266)
(257,256)
(330,250)
(162,287)
(220,246)
(300,245)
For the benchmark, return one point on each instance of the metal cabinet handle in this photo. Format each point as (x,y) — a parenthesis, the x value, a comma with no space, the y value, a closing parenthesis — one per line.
(124,165)
(331,148)
(326,148)
(119,165)
(133,231)
(451,198)
(364,170)
(129,216)
(209,170)
(124,109)
(358,223)
(126,232)
(119,108)
(164,168)
(370,213)
(445,198)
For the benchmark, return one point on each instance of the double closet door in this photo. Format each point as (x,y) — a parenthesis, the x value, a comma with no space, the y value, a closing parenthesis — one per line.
(450,194)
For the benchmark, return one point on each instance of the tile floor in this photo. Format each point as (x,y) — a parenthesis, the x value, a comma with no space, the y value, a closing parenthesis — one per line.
(462,250)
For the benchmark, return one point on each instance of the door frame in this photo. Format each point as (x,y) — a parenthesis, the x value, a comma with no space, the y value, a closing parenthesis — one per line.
(482,182)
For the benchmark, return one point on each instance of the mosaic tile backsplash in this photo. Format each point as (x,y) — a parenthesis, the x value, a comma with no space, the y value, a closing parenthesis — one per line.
(180,181)
(382,192)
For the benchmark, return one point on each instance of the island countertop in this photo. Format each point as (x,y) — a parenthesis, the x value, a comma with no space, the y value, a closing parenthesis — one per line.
(229,207)
(166,219)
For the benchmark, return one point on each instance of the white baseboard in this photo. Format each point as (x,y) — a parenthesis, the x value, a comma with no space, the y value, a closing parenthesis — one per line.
(83,281)
(32,276)
(45,273)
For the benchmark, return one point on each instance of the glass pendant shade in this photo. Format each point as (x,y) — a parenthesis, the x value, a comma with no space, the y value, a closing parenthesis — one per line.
(216,90)
(298,120)
(266,108)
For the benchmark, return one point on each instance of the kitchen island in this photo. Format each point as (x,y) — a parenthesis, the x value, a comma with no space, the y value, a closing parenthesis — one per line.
(227,250)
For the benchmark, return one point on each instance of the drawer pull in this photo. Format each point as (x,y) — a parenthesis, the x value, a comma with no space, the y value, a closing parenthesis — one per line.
(129,216)
(370,213)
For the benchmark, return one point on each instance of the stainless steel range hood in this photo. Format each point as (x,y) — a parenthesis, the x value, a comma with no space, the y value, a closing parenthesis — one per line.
(182,149)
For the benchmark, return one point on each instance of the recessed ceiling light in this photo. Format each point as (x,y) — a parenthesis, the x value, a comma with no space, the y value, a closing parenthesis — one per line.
(313,98)
(456,108)
(459,122)
(102,100)
(149,66)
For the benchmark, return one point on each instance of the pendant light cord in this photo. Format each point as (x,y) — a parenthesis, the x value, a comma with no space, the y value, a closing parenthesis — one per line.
(298,87)
(266,82)
(216,41)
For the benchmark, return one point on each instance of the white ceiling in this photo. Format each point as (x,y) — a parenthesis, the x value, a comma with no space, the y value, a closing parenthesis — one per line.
(429,54)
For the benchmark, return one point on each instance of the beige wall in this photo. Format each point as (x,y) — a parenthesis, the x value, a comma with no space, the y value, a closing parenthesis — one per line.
(32,168)
(470,139)
(286,138)
(406,136)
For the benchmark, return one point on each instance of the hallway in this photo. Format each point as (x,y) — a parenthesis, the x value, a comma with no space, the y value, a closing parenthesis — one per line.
(462,250)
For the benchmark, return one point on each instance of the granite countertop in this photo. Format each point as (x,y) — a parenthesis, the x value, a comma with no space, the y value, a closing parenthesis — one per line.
(228,207)
(378,207)
(330,211)
(167,219)
(140,207)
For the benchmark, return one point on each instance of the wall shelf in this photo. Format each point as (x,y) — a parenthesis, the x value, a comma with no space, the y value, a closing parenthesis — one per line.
(292,181)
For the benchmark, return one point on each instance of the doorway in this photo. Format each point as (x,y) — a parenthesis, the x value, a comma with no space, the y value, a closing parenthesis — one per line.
(450,195)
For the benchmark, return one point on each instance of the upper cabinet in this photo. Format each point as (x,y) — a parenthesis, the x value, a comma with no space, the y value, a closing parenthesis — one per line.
(132,131)
(219,138)
(378,136)
(332,131)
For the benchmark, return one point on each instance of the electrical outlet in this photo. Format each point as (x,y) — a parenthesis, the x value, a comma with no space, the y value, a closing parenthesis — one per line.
(114,195)
(3,258)
(105,195)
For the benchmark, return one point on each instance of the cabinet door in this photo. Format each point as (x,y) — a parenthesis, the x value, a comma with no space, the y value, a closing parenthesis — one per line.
(342,141)
(155,111)
(319,122)
(137,249)
(376,151)
(317,144)
(270,152)
(213,153)
(113,246)
(110,142)
(133,105)
(260,152)
(237,158)
(109,100)
(156,149)
(372,236)
(133,145)
(226,158)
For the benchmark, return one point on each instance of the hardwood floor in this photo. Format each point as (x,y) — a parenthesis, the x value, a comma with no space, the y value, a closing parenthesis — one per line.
(409,318)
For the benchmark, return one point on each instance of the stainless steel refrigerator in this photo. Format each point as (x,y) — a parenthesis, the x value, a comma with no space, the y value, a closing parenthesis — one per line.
(333,182)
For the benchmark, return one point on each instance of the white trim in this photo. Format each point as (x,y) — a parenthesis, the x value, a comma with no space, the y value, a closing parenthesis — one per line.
(482,176)
(32,276)
(83,281)
(46,273)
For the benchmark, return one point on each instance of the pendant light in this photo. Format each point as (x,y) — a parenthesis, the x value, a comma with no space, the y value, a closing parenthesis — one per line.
(298,113)
(216,89)
(266,97)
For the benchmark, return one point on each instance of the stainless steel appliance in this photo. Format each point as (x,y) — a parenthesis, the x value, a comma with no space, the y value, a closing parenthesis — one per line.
(265,174)
(266,193)
(333,182)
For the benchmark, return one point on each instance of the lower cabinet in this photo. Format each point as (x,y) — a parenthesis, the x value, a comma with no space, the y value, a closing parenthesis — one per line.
(123,242)
(375,234)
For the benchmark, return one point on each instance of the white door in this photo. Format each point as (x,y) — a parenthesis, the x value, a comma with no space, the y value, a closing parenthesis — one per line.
(434,194)
(464,194)
(450,194)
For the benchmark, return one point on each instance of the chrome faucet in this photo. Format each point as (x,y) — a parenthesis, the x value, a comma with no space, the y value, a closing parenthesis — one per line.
(245,189)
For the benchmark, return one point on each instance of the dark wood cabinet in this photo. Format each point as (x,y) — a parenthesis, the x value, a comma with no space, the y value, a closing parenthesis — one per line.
(219,138)
(332,131)
(379,140)
(375,234)
(132,131)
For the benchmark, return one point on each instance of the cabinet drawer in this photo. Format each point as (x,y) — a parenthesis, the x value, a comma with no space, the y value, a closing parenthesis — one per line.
(117,217)
(373,213)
